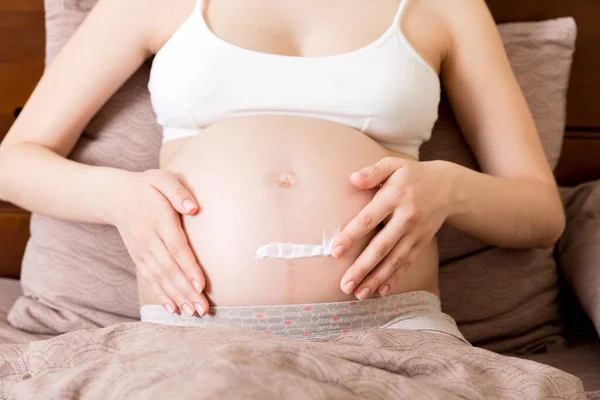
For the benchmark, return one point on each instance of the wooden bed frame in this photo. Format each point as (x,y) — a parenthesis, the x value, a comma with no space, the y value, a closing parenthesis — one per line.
(580,160)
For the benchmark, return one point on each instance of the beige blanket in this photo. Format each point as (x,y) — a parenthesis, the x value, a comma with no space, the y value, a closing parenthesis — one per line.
(147,361)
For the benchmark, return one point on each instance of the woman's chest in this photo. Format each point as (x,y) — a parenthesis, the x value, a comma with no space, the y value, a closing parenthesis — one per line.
(385,88)
(308,28)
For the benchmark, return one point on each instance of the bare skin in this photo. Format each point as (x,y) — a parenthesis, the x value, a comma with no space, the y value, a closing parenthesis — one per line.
(513,203)
(247,164)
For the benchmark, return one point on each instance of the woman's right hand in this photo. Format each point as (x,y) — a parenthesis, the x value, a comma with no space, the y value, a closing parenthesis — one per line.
(145,208)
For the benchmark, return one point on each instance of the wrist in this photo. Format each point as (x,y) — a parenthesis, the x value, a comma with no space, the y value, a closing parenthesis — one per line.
(454,176)
(110,183)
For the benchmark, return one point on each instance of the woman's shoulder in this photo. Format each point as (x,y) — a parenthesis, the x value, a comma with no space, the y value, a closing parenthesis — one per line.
(154,21)
(425,25)
(139,22)
(439,28)
(166,16)
(460,18)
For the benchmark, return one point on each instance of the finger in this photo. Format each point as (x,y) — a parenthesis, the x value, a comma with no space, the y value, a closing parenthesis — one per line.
(375,174)
(177,243)
(172,278)
(180,198)
(393,265)
(182,291)
(382,243)
(145,273)
(367,219)
(410,259)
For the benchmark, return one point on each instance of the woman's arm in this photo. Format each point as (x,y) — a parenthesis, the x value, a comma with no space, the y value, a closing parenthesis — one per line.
(519,212)
(95,62)
(109,46)
(514,202)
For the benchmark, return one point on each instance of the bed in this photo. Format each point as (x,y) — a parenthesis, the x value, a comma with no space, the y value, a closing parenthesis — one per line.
(134,360)
(9,292)
(148,361)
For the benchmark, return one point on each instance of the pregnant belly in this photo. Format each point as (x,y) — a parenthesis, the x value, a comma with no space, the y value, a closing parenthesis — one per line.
(268,179)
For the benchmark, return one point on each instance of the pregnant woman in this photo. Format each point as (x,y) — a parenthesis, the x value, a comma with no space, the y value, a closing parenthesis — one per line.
(289,182)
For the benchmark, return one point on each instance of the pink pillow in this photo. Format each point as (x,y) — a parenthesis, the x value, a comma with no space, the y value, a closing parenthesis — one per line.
(507,300)
(78,275)
(579,247)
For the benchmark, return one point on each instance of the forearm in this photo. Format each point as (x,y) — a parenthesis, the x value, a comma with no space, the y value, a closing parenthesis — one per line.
(42,181)
(511,213)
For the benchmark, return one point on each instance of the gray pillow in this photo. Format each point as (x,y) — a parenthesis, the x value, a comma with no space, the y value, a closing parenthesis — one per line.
(579,247)
(77,275)
(507,300)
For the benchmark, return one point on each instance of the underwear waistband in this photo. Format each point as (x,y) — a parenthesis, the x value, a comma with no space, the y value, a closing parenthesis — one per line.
(417,310)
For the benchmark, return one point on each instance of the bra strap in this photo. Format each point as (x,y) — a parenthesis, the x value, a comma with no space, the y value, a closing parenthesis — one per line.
(399,13)
(200,6)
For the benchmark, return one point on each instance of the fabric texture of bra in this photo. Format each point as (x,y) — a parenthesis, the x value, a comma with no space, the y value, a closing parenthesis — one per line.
(384,89)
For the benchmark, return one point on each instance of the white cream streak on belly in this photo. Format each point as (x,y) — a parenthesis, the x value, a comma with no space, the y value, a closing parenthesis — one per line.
(293,250)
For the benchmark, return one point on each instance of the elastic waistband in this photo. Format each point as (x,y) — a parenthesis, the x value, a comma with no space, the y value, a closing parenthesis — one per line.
(418,310)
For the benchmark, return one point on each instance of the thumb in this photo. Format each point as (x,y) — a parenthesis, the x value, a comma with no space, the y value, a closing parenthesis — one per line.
(375,174)
(180,198)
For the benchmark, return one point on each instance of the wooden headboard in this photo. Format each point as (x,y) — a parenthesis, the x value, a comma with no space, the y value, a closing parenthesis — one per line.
(21,66)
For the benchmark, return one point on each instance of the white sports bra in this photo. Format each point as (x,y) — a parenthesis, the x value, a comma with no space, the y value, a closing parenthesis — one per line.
(384,89)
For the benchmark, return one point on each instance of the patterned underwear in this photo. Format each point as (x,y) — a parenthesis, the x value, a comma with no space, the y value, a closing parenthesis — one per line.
(417,311)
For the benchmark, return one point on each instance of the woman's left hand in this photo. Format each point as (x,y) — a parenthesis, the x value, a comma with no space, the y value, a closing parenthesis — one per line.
(413,202)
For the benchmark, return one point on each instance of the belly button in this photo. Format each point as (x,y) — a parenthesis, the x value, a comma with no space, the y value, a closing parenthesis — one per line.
(287,180)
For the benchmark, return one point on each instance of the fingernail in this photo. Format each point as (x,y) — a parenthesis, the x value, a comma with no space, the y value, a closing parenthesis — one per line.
(189,205)
(359,175)
(197,285)
(384,290)
(349,287)
(187,309)
(169,307)
(338,251)
(364,292)
(199,309)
